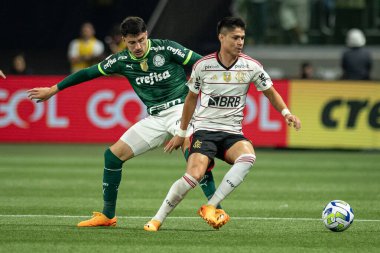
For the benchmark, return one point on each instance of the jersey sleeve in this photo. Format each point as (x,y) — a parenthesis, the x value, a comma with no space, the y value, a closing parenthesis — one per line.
(181,54)
(195,81)
(79,77)
(109,65)
(260,78)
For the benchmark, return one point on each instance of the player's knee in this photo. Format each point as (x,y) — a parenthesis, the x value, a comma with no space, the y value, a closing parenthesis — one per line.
(197,172)
(111,161)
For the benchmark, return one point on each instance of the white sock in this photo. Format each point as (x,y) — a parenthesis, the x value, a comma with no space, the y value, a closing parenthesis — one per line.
(233,178)
(176,193)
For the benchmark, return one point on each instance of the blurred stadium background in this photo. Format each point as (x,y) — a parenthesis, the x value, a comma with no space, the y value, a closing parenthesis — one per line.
(42,30)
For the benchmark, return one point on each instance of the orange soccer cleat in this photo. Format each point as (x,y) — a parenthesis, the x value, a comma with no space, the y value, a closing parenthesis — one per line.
(98,219)
(222,217)
(152,226)
(214,217)
(208,213)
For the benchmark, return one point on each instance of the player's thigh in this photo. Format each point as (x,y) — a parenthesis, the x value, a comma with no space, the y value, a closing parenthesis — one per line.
(197,165)
(237,149)
(145,135)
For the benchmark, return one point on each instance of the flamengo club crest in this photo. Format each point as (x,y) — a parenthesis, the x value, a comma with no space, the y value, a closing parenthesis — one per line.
(240,76)
(158,60)
(197,144)
(144,65)
(227,76)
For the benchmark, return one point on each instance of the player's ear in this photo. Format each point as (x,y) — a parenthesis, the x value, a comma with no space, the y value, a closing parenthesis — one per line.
(220,37)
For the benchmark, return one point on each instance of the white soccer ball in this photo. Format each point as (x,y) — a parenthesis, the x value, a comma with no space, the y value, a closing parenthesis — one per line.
(337,215)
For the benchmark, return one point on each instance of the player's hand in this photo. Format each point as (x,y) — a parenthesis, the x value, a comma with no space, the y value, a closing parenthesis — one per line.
(174,143)
(293,121)
(42,94)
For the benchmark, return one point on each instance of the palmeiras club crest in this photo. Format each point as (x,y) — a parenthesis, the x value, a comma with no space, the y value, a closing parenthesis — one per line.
(158,60)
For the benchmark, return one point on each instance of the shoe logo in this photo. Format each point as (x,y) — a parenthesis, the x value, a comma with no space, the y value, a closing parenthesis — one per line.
(197,144)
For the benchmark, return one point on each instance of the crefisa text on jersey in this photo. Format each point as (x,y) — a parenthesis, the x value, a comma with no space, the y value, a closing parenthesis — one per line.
(109,63)
(176,51)
(152,78)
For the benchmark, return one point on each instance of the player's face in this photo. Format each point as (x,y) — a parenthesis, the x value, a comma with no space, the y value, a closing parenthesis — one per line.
(138,44)
(232,42)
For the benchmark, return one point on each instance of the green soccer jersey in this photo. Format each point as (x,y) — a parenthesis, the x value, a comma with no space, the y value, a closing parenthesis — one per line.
(158,77)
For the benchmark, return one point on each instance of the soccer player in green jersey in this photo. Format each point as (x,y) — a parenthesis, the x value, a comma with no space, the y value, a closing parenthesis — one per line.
(154,68)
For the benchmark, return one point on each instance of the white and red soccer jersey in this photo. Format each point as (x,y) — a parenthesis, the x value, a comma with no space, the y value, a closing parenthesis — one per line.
(223,91)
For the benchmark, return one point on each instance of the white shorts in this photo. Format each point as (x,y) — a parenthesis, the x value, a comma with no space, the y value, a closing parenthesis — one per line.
(152,131)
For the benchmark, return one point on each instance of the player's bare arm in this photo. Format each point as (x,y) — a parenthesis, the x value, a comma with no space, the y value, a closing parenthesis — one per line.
(2,74)
(278,103)
(187,113)
(42,94)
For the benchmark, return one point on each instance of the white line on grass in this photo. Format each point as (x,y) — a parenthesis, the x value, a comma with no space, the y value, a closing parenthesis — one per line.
(148,217)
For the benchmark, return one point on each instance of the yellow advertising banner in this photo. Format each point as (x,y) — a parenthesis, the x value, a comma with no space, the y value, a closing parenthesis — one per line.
(335,114)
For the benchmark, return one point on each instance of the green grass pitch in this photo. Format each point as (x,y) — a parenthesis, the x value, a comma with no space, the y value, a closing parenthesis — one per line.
(45,190)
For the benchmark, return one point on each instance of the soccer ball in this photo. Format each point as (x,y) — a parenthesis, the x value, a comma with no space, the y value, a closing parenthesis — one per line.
(337,215)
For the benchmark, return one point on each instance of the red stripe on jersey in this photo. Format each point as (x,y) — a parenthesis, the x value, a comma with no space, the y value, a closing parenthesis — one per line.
(249,58)
(210,56)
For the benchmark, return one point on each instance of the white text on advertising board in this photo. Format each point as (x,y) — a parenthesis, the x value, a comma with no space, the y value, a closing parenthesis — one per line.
(105,110)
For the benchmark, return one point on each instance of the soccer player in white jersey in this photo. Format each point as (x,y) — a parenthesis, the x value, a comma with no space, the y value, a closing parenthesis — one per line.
(222,79)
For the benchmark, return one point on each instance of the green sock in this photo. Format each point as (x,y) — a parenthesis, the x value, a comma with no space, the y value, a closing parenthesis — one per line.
(207,183)
(208,186)
(111,180)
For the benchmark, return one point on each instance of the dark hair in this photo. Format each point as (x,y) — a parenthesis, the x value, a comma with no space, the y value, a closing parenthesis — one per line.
(133,26)
(230,23)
